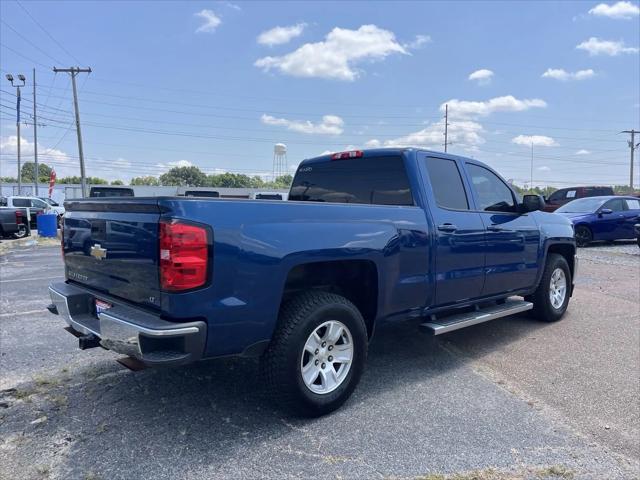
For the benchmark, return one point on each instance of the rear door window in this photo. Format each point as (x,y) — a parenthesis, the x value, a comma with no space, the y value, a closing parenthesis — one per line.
(373,180)
(446,183)
(632,204)
(21,202)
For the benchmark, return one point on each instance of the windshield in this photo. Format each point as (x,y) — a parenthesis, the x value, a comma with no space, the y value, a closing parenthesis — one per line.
(582,205)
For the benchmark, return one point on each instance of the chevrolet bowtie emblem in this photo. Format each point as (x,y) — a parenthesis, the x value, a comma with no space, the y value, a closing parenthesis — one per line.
(98,252)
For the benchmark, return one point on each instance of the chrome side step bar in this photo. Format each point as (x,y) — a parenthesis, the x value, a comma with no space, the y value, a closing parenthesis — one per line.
(461,320)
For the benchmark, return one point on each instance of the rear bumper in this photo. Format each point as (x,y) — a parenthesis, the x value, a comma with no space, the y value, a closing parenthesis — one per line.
(128,330)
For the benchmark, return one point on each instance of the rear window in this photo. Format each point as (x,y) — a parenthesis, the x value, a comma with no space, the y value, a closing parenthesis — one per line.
(373,180)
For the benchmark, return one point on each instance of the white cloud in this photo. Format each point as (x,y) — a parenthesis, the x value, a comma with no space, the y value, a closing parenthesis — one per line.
(373,143)
(281,35)
(508,103)
(544,168)
(330,125)
(482,76)
(582,151)
(211,21)
(418,42)
(535,140)
(233,6)
(335,57)
(563,75)
(618,11)
(462,132)
(60,161)
(595,46)
(164,167)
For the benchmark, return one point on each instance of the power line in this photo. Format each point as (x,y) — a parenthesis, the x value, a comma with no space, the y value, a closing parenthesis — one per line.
(23,56)
(48,34)
(29,42)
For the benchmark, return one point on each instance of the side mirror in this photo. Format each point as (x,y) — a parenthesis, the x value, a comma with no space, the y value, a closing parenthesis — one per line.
(531,203)
(605,211)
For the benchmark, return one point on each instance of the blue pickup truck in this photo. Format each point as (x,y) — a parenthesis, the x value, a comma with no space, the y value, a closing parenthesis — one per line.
(364,237)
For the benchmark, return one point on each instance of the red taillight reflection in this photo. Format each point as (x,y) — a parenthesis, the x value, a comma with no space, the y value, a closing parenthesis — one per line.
(183,252)
(347,155)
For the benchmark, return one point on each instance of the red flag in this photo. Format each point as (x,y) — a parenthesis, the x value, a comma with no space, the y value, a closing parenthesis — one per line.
(52,181)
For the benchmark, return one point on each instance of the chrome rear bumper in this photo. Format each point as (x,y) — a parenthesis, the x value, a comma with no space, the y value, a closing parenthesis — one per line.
(129,330)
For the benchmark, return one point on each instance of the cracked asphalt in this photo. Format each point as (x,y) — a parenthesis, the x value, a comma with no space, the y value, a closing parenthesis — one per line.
(512,398)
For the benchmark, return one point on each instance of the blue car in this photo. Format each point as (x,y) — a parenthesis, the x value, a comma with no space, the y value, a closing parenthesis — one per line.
(602,218)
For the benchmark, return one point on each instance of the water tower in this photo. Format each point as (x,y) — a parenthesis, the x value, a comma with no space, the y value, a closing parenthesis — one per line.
(280,165)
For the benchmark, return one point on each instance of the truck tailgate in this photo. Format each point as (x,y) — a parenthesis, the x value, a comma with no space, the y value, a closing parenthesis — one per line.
(112,245)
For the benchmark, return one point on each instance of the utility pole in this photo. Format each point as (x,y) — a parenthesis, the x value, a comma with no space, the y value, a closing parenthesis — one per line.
(632,146)
(35,136)
(75,71)
(446,126)
(23,80)
(531,177)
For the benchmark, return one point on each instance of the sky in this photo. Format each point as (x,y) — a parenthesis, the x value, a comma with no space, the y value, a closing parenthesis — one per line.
(217,84)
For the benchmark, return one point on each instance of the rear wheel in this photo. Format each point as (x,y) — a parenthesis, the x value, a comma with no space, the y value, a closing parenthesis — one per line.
(22,231)
(583,236)
(551,298)
(317,354)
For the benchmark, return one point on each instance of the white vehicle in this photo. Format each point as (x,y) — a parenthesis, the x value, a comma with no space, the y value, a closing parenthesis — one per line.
(55,206)
(34,204)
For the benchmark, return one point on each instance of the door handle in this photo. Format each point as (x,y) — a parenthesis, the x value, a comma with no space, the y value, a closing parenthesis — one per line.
(447,227)
(495,228)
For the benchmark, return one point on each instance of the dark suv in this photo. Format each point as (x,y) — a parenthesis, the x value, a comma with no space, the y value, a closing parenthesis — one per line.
(565,195)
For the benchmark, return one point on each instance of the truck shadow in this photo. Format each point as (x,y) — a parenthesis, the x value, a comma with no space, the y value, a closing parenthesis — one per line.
(110,420)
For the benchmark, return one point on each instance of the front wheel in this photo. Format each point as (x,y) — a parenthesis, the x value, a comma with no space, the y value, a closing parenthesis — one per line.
(317,354)
(551,298)
(583,236)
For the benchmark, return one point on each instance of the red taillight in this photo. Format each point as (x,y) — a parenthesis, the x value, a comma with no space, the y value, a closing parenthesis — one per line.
(346,155)
(18,217)
(184,250)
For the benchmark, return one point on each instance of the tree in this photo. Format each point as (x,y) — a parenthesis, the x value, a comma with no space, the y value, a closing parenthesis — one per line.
(76,180)
(186,176)
(28,169)
(117,182)
(148,180)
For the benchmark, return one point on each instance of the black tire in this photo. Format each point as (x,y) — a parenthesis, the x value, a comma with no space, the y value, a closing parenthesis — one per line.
(543,309)
(583,235)
(22,232)
(281,362)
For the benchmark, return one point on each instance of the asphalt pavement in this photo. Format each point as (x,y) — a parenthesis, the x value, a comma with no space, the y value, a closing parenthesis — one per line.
(508,399)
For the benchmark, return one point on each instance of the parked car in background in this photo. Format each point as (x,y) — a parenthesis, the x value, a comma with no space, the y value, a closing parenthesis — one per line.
(55,206)
(13,222)
(35,205)
(268,196)
(202,193)
(636,228)
(566,195)
(365,237)
(602,218)
(110,191)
